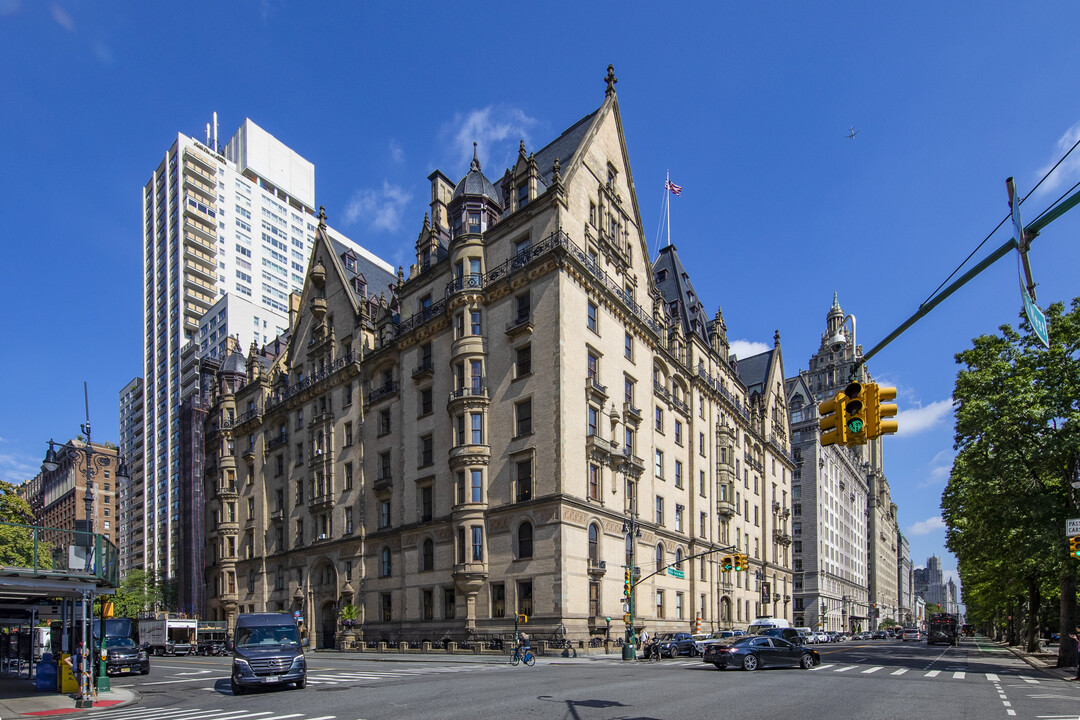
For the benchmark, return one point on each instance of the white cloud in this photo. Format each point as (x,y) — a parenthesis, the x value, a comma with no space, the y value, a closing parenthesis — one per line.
(62,18)
(496,129)
(15,467)
(923,417)
(940,466)
(397,154)
(927,526)
(382,209)
(747,348)
(1067,171)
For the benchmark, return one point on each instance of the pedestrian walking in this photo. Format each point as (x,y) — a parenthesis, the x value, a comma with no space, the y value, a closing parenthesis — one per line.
(1075,637)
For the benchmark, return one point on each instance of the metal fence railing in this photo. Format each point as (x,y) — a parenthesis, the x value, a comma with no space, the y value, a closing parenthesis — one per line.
(61,552)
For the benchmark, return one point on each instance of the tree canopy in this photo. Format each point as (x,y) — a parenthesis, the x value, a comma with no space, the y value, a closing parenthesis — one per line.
(1017,438)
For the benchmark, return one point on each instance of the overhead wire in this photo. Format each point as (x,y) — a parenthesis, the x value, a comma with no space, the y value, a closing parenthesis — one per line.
(1004,219)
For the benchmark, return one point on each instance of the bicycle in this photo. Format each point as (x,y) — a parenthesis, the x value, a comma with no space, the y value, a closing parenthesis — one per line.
(654,653)
(521,654)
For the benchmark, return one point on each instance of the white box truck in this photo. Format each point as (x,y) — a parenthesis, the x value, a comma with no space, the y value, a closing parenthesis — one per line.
(168,635)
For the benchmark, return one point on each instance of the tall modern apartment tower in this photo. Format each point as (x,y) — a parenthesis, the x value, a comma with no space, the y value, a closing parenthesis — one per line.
(234,220)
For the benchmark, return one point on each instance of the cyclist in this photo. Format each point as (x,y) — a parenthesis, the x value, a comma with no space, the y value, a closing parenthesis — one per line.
(523,643)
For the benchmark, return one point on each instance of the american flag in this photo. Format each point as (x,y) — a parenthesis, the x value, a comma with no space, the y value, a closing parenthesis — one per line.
(677,189)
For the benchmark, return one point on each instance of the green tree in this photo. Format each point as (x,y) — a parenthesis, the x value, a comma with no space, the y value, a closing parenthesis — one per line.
(1017,432)
(16,543)
(138,592)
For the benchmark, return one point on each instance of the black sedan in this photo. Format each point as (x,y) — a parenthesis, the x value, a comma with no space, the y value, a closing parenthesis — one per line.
(753,652)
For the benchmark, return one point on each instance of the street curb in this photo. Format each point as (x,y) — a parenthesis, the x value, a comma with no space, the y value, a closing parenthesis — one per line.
(1048,670)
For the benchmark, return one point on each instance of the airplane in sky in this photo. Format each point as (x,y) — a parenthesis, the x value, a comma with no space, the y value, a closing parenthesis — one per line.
(852,132)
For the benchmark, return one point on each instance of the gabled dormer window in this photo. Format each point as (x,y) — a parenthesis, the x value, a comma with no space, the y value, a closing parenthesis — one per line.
(350,262)
(523,195)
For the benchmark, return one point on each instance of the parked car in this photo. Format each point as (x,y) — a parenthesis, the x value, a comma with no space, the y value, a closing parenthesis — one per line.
(880,635)
(910,634)
(751,653)
(712,637)
(672,644)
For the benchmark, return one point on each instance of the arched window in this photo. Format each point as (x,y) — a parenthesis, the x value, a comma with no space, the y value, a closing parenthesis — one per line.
(384,563)
(678,558)
(427,556)
(525,540)
(594,545)
(659,556)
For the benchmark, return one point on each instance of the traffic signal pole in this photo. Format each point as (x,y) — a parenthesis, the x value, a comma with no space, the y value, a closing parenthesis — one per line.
(1029,233)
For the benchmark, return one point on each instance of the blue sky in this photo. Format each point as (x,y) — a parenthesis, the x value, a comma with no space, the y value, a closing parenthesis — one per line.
(747,105)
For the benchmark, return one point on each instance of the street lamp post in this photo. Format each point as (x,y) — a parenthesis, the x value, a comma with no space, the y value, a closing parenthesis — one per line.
(50,464)
(633,534)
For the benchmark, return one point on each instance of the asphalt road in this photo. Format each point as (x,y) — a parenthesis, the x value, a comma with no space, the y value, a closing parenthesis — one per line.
(858,680)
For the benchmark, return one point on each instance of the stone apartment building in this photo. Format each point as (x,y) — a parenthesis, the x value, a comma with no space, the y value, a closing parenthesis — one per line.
(476,442)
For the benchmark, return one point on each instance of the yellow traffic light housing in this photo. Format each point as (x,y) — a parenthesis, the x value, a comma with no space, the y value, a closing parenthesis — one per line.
(833,424)
(727,563)
(523,618)
(876,425)
(628,582)
(626,619)
(1074,546)
(855,413)
(740,561)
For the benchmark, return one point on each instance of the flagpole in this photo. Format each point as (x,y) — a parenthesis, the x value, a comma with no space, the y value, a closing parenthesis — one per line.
(667,195)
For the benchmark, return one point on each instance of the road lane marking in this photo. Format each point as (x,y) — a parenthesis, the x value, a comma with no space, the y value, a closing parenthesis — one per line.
(822,667)
(845,669)
(932,673)
(872,670)
(1027,679)
(198,679)
(958,675)
(992,677)
(901,671)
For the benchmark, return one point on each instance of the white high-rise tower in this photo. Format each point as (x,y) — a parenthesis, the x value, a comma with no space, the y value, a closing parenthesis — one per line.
(234,221)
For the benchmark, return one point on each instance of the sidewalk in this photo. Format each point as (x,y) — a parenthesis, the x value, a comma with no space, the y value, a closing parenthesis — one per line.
(1043,661)
(18,696)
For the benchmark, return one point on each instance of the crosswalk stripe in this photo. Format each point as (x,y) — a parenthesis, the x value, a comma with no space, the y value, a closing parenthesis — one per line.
(992,677)
(822,667)
(901,671)
(872,670)
(959,675)
(845,669)
(284,717)
(932,673)
(1027,679)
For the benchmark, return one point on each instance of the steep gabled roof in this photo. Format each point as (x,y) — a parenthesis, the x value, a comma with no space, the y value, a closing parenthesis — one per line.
(563,147)
(754,371)
(682,301)
(377,279)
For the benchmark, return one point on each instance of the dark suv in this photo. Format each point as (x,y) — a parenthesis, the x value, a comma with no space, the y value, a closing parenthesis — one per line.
(672,644)
(267,651)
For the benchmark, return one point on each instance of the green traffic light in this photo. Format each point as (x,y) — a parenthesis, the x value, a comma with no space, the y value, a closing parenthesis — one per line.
(855,425)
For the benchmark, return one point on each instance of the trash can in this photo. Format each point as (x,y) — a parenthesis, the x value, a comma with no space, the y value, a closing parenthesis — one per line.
(46,674)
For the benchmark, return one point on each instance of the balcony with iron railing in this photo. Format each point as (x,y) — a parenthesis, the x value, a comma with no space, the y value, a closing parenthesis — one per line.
(718,387)
(381,393)
(476,390)
(520,325)
(276,441)
(661,391)
(424,370)
(316,377)
(557,242)
(384,482)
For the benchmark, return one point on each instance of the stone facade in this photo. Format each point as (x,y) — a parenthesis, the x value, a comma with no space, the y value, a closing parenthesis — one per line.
(472,446)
